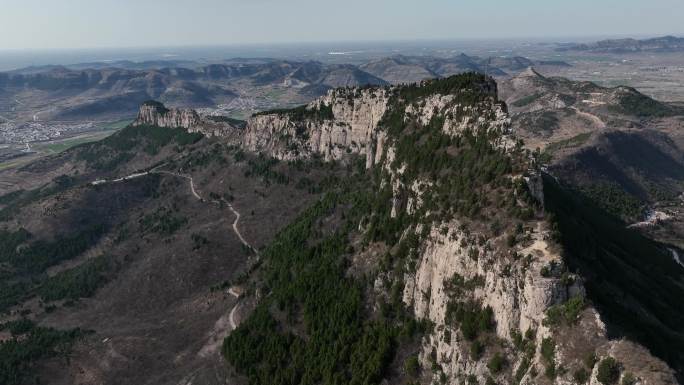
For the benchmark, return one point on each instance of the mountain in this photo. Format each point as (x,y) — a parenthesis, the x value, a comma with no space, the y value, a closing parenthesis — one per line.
(66,94)
(549,103)
(110,93)
(619,146)
(410,69)
(517,64)
(121,64)
(622,46)
(61,99)
(398,70)
(334,76)
(386,233)
(153,113)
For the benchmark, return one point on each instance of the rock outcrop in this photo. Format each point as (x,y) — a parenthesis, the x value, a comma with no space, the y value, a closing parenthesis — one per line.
(156,114)
(522,286)
(345,121)
(153,113)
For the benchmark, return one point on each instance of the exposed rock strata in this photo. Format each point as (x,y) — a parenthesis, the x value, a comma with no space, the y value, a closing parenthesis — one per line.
(353,129)
(156,114)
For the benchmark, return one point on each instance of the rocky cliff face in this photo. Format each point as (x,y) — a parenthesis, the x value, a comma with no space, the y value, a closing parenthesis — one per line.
(156,114)
(521,279)
(345,121)
(521,294)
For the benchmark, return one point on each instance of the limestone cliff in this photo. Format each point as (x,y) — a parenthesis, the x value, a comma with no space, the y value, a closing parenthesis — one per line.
(520,291)
(156,114)
(342,122)
(347,121)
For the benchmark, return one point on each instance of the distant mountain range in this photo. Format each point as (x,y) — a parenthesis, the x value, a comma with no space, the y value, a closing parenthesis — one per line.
(74,92)
(402,69)
(657,44)
(109,90)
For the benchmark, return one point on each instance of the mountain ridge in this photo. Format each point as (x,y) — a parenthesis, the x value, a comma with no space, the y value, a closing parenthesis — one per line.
(629,45)
(412,244)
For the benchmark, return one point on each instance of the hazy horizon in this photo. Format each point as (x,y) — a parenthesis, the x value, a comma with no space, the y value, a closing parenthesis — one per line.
(319,51)
(79,24)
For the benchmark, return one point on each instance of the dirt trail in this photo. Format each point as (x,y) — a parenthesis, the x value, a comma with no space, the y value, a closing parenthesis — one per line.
(189,178)
(597,121)
(194,191)
(224,325)
(236,230)
(231,317)
(222,329)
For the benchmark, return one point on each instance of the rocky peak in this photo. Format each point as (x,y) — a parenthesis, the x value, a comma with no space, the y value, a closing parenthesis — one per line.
(153,113)
(529,79)
(342,122)
(515,277)
(349,120)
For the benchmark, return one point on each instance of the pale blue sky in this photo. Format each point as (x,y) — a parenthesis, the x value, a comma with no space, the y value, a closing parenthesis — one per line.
(138,23)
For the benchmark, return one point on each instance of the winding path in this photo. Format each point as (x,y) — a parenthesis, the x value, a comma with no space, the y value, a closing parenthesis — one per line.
(189,178)
(211,346)
(231,317)
(196,194)
(595,119)
(236,230)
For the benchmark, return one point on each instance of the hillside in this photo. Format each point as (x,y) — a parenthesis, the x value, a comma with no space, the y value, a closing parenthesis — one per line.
(617,145)
(549,110)
(394,233)
(143,264)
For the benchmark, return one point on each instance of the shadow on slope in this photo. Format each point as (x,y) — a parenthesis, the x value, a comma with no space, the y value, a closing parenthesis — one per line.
(633,281)
(645,166)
